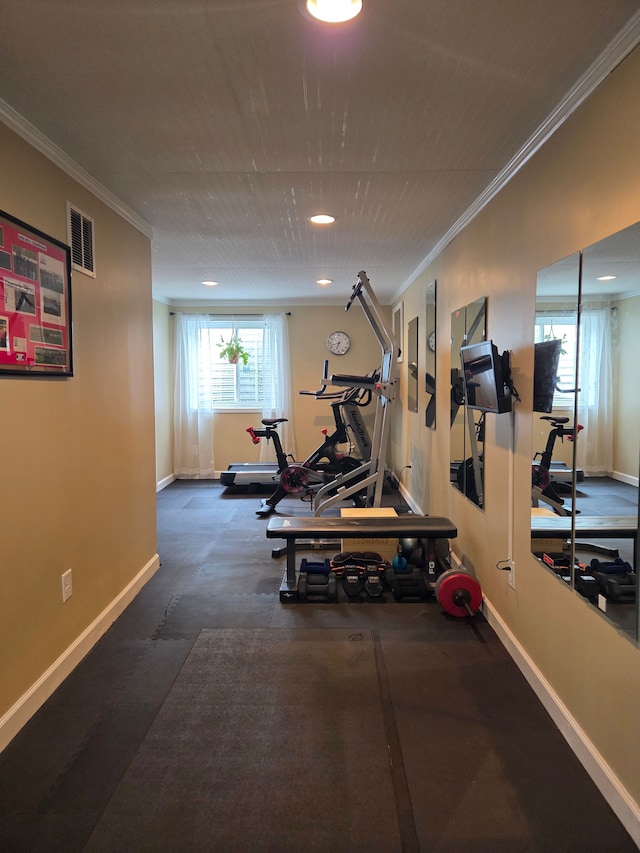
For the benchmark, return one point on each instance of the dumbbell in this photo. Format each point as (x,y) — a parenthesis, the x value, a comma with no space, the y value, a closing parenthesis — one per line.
(352,581)
(317,579)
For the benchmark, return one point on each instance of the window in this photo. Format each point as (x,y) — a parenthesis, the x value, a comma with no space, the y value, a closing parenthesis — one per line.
(222,385)
(563,326)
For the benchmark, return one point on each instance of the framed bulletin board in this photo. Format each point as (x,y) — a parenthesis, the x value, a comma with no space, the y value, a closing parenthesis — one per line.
(35,302)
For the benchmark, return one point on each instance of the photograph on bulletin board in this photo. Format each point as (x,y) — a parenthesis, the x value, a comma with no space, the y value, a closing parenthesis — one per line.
(35,302)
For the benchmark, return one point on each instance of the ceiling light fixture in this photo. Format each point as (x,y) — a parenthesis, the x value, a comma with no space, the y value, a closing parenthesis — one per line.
(210,283)
(334,11)
(322,219)
(323,282)
(606,277)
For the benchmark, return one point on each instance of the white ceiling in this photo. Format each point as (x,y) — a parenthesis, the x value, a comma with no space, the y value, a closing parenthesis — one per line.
(224,124)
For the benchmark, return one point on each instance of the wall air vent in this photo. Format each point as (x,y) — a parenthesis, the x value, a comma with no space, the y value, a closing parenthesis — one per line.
(80,236)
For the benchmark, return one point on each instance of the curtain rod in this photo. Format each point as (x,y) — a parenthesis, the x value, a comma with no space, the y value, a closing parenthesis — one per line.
(235,316)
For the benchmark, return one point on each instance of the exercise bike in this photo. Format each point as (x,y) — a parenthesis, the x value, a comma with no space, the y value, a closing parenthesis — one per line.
(327,462)
(542,485)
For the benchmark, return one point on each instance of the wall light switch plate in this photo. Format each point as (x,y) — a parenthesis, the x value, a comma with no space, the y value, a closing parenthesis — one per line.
(67,585)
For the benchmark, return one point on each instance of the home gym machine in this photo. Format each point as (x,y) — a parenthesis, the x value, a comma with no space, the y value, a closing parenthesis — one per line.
(369,478)
(361,481)
(303,479)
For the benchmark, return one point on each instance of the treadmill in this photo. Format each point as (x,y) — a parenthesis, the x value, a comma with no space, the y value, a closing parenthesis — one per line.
(250,474)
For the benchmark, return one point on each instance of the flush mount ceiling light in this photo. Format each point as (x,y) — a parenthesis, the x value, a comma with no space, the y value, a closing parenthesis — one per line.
(210,283)
(334,11)
(606,277)
(323,282)
(322,219)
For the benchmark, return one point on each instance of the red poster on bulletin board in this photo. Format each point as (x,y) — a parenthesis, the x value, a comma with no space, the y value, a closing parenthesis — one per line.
(35,302)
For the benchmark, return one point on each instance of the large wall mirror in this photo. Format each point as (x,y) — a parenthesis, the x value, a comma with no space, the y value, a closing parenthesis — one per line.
(468,326)
(430,358)
(412,365)
(590,485)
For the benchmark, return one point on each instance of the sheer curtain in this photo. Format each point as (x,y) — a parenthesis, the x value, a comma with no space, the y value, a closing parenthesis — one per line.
(277,383)
(594,448)
(192,417)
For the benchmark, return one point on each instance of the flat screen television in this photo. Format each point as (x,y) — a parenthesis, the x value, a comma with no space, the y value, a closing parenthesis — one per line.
(484,372)
(545,374)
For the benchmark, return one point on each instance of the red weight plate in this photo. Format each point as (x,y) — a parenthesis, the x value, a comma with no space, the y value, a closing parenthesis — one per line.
(450,585)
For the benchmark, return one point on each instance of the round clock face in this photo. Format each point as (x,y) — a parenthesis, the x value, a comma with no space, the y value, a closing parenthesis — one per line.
(338,343)
(431,341)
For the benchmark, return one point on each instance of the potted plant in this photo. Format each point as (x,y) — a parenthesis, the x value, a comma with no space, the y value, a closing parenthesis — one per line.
(233,350)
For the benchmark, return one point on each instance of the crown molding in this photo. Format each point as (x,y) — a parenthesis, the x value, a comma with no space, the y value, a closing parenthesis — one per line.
(44,145)
(615,52)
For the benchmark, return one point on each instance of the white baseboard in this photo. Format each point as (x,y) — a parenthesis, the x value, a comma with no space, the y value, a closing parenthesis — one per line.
(625,478)
(162,484)
(611,788)
(22,711)
(409,499)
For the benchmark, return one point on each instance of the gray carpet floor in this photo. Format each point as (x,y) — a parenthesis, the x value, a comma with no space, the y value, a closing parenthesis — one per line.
(212,717)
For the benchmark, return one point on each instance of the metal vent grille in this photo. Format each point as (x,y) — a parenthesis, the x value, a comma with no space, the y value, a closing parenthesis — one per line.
(81,239)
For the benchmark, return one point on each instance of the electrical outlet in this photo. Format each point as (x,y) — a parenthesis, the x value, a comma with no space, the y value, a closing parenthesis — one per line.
(512,574)
(67,586)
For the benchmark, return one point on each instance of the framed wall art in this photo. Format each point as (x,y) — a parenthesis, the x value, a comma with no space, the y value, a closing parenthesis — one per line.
(35,302)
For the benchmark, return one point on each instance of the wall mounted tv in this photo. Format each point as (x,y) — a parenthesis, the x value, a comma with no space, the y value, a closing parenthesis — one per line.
(486,374)
(545,374)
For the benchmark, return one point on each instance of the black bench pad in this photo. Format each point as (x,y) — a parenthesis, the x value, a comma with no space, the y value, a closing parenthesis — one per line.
(421,526)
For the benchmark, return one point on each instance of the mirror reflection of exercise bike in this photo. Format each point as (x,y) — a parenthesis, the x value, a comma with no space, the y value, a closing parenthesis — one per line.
(546,474)
(543,487)
(328,461)
(469,476)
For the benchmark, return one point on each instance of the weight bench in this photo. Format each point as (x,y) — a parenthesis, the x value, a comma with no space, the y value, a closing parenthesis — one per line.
(293,528)
(596,527)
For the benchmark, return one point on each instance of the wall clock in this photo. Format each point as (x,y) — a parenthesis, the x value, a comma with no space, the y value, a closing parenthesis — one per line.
(338,343)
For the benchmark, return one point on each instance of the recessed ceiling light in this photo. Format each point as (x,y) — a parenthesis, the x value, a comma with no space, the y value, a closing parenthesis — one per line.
(323,282)
(334,11)
(210,283)
(606,277)
(322,219)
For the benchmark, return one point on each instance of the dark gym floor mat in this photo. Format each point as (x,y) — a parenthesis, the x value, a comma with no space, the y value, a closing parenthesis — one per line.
(485,767)
(480,749)
(240,757)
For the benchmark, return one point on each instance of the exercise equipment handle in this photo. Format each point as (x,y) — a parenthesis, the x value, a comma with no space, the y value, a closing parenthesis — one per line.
(357,287)
(322,391)
(323,386)
(254,438)
(566,390)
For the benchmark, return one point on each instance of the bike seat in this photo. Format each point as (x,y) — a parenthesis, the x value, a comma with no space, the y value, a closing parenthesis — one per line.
(271,422)
(555,420)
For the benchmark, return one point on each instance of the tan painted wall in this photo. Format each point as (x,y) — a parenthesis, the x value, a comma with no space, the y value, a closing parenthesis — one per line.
(78,477)
(583,185)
